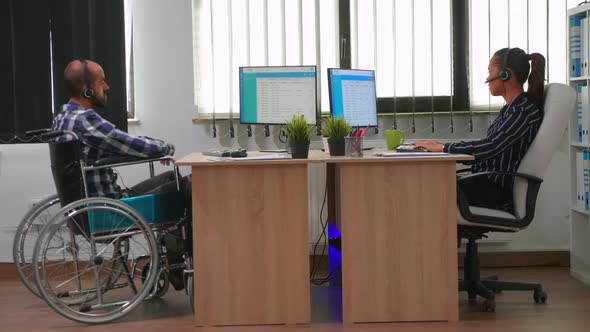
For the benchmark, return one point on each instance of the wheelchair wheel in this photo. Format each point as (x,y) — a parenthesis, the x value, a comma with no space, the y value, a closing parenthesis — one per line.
(89,276)
(189,280)
(190,291)
(162,283)
(26,236)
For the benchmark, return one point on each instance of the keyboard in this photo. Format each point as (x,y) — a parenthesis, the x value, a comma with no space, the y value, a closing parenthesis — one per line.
(227,152)
(409,148)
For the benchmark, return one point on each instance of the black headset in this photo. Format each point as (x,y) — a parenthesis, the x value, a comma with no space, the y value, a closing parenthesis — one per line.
(504,74)
(87,92)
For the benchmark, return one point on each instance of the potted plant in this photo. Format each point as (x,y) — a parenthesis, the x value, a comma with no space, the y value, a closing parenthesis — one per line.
(336,128)
(299,133)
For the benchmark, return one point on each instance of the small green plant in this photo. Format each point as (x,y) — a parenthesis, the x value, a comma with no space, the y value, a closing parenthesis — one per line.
(297,129)
(336,127)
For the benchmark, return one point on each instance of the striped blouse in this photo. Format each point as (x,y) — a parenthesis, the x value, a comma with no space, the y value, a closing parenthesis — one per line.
(507,140)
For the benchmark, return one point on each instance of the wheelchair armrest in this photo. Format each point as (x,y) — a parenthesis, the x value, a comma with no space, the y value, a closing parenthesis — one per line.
(118,161)
(31,133)
(533,185)
(49,134)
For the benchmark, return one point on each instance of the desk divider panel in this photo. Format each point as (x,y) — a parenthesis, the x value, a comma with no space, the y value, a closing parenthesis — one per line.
(399,241)
(251,244)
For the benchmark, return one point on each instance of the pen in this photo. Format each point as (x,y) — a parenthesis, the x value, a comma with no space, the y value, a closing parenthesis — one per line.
(361,134)
(366,130)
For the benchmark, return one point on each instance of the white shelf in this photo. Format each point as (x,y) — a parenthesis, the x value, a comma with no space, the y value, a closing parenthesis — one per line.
(582,211)
(579,217)
(578,10)
(579,145)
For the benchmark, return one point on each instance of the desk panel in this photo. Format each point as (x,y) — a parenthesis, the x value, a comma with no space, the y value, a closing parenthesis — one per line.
(399,238)
(250,244)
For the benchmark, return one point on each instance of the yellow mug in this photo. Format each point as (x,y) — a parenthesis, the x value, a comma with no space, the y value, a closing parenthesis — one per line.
(394,138)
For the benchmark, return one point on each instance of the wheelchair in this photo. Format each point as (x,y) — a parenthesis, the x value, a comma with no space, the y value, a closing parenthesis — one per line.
(95,259)
(26,236)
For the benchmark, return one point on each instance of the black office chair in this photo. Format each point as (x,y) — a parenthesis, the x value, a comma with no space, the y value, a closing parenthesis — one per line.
(475,222)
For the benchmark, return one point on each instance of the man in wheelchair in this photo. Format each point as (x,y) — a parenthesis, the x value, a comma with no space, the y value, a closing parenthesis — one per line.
(86,85)
(99,139)
(94,251)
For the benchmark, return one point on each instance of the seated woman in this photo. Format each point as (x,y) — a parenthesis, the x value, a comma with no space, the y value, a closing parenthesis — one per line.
(510,135)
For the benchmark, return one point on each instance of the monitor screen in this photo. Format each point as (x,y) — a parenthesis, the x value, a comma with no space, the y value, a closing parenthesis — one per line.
(273,95)
(353,95)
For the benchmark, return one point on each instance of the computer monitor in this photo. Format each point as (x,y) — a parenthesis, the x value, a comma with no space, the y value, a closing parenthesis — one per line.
(353,96)
(273,95)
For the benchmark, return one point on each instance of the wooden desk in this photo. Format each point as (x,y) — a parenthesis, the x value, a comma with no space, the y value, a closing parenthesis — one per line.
(398,224)
(250,239)
(399,237)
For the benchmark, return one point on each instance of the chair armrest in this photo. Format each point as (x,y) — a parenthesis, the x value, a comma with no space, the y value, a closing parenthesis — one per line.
(463,170)
(530,178)
(533,185)
(118,161)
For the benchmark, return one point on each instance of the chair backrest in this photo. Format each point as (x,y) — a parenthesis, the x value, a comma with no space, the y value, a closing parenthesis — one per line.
(65,167)
(67,176)
(559,102)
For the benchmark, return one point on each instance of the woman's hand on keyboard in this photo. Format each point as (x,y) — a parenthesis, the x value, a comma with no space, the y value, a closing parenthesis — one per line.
(430,145)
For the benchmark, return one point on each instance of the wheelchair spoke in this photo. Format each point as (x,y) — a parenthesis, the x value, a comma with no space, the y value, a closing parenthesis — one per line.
(74,277)
(139,244)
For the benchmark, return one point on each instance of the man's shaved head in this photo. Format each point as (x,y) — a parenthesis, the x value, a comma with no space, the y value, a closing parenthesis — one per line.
(76,79)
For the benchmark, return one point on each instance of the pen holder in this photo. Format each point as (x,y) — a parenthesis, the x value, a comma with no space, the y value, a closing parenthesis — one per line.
(353,146)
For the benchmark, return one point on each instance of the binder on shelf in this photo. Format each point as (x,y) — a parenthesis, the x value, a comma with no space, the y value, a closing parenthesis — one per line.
(575,46)
(586,175)
(580,195)
(579,114)
(585,115)
(584,46)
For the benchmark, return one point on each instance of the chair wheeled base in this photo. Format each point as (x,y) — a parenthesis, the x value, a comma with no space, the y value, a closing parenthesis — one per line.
(486,287)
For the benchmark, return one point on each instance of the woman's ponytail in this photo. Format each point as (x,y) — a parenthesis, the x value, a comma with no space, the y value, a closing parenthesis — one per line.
(536,78)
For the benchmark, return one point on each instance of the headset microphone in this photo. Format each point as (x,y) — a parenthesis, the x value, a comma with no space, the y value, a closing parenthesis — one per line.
(492,79)
(504,74)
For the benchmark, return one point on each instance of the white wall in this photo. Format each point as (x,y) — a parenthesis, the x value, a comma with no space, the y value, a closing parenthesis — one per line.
(164,106)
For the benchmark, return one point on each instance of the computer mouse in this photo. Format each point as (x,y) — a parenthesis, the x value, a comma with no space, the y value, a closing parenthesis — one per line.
(420,149)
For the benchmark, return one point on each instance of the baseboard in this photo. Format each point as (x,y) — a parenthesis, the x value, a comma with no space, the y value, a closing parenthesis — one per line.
(494,259)
(487,259)
(500,259)
(521,258)
(319,261)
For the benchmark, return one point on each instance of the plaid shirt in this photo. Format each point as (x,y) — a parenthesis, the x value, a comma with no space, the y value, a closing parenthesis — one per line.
(507,140)
(100,139)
